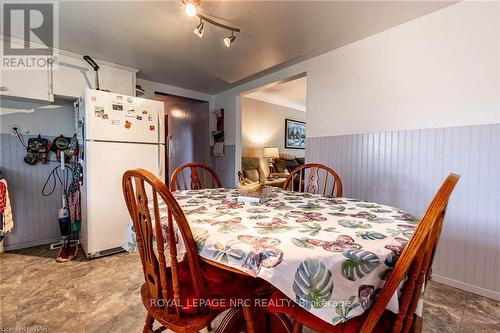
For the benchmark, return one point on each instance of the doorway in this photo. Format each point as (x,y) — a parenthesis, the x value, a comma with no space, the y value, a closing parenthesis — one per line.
(186,131)
(273,130)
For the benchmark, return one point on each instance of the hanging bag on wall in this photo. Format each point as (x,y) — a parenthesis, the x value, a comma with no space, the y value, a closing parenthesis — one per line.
(61,143)
(38,149)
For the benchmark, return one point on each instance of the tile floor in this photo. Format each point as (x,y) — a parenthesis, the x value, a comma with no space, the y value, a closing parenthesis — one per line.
(102,295)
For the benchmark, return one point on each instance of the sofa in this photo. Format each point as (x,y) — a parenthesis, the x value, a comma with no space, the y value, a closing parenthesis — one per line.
(252,170)
(282,166)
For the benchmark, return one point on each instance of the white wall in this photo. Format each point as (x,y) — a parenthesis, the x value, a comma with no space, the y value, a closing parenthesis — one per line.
(439,70)
(263,125)
(37,118)
(33,213)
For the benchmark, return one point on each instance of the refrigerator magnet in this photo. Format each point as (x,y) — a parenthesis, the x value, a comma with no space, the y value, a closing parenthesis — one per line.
(99,111)
(150,117)
(105,116)
(130,113)
(117,107)
(128,124)
(144,112)
(115,122)
(151,127)
(138,117)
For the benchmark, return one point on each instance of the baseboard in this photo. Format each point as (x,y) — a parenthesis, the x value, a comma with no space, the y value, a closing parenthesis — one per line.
(467,287)
(30,244)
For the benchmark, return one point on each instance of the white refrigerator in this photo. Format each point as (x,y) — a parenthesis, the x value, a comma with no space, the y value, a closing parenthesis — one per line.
(117,133)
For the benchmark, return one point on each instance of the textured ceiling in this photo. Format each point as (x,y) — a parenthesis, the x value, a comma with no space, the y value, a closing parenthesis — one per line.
(157,37)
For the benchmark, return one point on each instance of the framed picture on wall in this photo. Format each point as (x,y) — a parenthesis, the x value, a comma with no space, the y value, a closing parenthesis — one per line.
(295,134)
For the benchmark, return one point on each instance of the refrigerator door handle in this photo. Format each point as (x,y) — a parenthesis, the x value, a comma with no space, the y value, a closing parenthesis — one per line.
(160,151)
(169,145)
(160,164)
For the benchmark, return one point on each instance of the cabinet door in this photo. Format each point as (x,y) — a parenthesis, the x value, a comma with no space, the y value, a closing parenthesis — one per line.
(117,80)
(73,75)
(32,84)
(26,83)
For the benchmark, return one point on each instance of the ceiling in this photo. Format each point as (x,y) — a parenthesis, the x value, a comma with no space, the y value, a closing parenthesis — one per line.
(157,37)
(291,94)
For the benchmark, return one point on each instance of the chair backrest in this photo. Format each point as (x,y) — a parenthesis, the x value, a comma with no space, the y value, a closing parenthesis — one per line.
(314,178)
(194,176)
(414,263)
(140,188)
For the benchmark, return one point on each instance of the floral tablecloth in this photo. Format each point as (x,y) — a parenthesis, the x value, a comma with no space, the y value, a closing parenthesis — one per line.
(330,255)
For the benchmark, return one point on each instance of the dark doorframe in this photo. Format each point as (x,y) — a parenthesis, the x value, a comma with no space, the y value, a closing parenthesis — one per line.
(166,157)
(167,171)
(160,96)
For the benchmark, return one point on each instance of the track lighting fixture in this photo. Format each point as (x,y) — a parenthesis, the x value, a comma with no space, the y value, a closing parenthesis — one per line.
(198,31)
(229,40)
(191,8)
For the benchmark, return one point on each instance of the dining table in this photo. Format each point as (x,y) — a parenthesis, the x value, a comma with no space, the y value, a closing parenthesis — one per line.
(330,255)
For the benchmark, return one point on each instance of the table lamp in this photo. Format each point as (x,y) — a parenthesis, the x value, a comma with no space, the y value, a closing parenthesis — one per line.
(270,153)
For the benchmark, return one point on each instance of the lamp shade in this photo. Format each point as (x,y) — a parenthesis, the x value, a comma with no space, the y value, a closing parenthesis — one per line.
(271,152)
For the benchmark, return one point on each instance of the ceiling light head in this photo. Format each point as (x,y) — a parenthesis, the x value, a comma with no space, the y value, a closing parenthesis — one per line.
(229,40)
(190,7)
(198,31)
(190,10)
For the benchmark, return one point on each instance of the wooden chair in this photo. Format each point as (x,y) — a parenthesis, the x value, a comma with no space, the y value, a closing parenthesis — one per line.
(201,176)
(182,296)
(414,263)
(296,180)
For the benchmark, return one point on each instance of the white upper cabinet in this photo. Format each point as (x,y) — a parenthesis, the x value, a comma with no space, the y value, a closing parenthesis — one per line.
(26,83)
(31,84)
(73,74)
(116,80)
(68,79)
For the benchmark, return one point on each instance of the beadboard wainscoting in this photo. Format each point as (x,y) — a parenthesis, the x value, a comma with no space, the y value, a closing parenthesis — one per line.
(35,216)
(224,165)
(404,169)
